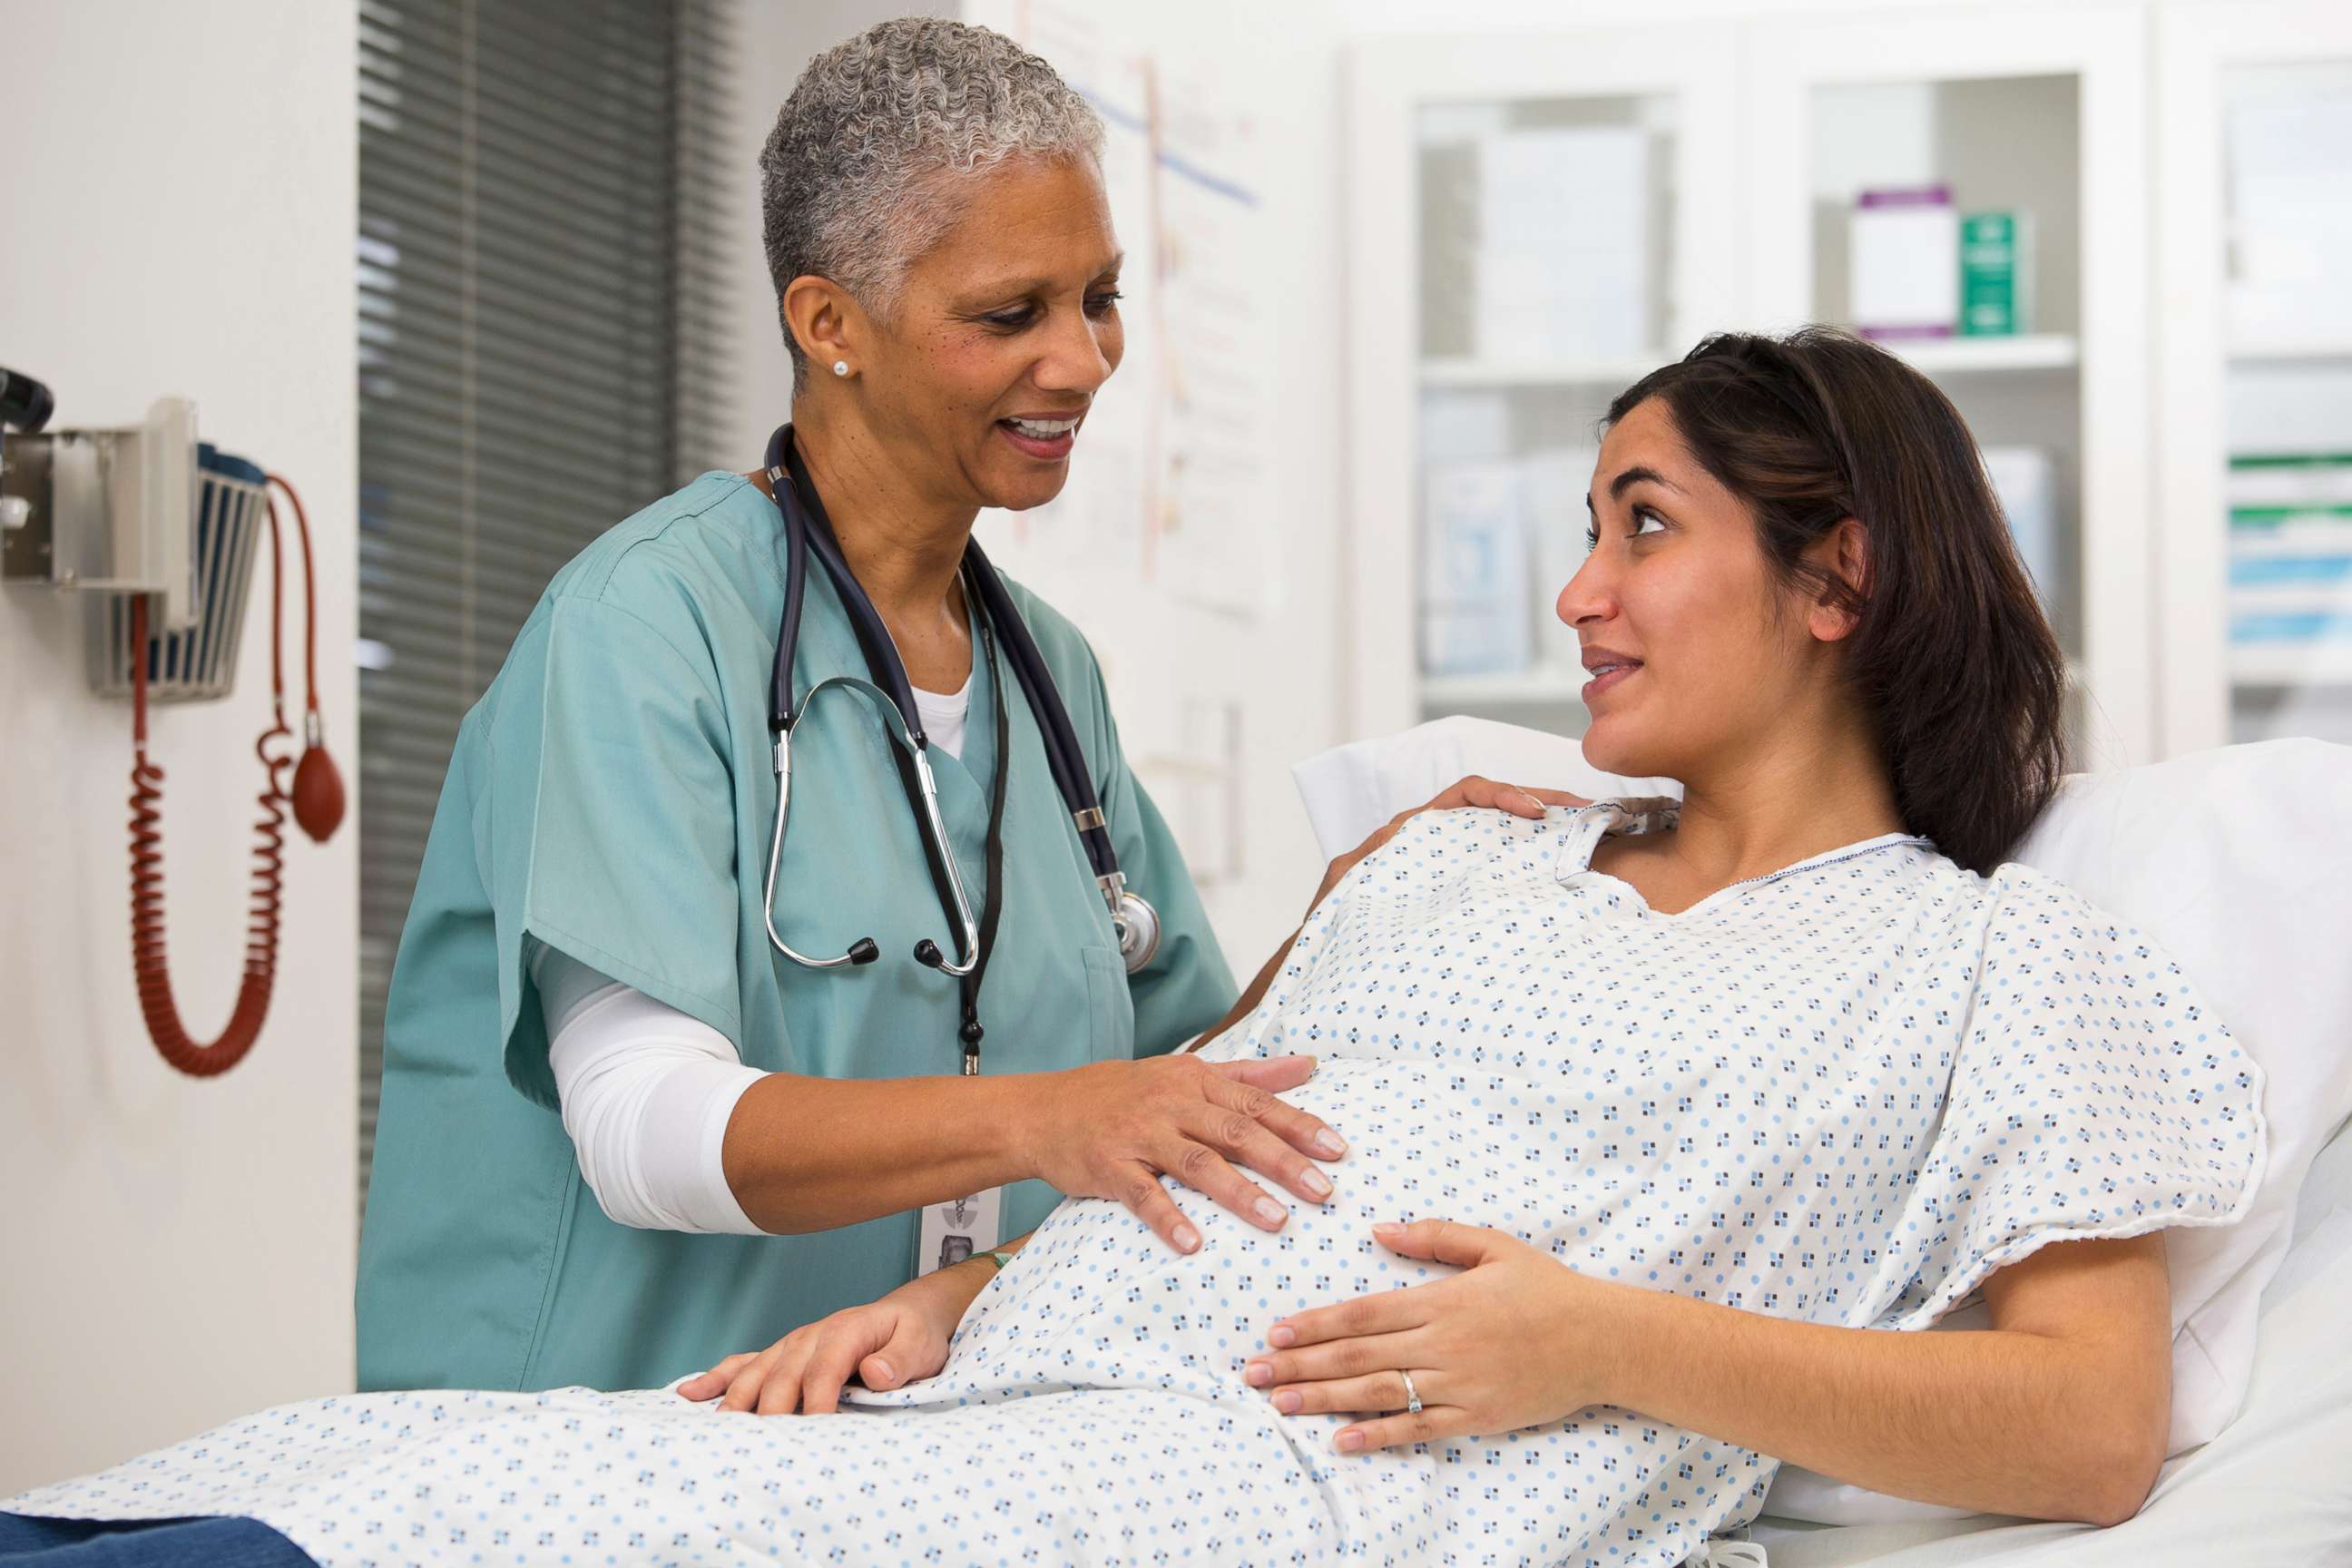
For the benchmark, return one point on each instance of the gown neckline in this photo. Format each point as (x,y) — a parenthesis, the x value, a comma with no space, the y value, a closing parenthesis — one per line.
(1574,859)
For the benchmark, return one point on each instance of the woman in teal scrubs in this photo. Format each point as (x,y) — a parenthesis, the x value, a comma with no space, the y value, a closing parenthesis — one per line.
(947,276)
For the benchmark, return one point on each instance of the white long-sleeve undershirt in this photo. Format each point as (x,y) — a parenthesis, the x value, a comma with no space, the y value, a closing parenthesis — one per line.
(645,1093)
(647,1090)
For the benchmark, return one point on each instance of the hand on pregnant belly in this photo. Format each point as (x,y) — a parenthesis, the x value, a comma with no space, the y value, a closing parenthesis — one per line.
(1517,1338)
(1113,1129)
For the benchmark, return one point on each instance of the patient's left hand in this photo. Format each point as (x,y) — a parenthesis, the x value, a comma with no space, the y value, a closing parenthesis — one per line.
(1469,791)
(1515,1339)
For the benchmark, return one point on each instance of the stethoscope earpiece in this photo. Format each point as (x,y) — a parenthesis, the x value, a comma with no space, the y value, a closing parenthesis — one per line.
(928,953)
(863,951)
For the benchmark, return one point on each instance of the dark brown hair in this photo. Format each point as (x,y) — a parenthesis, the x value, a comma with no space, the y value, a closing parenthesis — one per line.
(1953,660)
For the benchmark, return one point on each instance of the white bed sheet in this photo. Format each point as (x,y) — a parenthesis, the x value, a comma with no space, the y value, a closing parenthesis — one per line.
(2275,1488)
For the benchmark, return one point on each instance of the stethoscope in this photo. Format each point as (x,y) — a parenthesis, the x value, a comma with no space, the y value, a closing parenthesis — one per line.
(806,528)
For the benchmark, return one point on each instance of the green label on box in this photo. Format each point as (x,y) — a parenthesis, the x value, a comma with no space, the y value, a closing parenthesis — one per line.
(1994,264)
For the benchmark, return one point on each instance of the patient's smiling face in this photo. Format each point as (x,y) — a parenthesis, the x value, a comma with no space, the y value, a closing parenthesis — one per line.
(1715,656)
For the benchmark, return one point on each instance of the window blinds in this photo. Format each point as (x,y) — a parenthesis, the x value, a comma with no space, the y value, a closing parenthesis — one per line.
(543,217)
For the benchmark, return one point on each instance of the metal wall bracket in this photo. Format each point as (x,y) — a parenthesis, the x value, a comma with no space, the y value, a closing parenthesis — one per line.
(105,511)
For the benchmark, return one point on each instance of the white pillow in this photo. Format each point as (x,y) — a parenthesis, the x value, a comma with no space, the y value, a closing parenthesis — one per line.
(2237,862)
(1350,790)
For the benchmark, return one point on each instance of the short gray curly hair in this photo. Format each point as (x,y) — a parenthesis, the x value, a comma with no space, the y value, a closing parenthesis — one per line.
(849,186)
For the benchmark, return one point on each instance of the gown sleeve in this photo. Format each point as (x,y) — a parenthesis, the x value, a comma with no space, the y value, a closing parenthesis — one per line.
(2092,1095)
(604,823)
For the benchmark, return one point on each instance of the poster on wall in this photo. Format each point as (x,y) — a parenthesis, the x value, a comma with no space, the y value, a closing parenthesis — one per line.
(1170,487)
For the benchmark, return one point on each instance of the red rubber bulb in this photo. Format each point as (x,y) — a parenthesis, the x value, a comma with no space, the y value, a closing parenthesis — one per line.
(318,795)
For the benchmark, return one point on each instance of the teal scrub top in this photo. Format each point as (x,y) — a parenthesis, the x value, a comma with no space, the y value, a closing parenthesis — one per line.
(612,795)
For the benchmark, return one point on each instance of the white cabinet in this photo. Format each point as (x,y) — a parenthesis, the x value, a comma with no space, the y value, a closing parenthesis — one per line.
(2103,130)
(2254,372)
(2041,113)
(1491,319)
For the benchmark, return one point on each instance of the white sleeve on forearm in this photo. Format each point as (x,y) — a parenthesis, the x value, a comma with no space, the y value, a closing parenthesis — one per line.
(645,1093)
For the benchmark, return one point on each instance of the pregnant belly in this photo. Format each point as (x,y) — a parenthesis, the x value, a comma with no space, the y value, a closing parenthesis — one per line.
(1096,1300)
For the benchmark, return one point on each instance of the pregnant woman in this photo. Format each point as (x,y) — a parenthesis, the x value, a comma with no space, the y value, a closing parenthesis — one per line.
(1661,1118)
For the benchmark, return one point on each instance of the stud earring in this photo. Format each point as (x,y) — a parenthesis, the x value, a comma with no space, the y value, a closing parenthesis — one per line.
(840,367)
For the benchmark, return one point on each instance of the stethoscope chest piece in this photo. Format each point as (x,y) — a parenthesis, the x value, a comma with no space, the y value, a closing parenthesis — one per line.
(1138,925)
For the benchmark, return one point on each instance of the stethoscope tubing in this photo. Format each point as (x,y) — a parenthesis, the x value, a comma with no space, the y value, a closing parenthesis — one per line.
(1133,920)
(863,951)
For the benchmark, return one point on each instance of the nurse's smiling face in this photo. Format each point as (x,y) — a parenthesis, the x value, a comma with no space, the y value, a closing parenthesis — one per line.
(1697,656)
(1002,334)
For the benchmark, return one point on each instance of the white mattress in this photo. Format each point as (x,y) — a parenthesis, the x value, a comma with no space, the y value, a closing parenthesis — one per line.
(2274,1488)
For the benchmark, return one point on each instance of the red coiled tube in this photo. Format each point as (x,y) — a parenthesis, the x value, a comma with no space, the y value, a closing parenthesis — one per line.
(172,1039)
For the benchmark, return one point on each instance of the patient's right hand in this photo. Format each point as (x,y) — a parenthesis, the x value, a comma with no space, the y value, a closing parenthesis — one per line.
(900,1339)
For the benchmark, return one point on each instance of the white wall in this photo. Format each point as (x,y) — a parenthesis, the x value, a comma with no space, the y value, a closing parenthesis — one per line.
(181,214)
(1360,17)
(776,39)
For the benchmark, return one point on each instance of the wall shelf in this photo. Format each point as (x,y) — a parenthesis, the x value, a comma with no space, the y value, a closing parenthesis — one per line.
(2291,351)
(2308,664)
(1936,356)
(1971,356)
(1538,686)
(1452,373)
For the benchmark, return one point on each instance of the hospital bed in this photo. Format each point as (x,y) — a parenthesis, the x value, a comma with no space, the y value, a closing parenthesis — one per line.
(2237,862)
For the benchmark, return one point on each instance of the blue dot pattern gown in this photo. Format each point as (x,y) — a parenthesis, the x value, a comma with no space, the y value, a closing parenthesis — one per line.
(1844,1092)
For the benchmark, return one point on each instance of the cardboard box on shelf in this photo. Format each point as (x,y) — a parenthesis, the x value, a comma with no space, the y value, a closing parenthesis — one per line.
(1902,246)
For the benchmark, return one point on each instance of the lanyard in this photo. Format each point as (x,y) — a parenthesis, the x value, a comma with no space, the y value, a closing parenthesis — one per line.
(992,902)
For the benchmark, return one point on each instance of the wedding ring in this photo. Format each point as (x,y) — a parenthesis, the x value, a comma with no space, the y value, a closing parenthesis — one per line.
(1412,1397)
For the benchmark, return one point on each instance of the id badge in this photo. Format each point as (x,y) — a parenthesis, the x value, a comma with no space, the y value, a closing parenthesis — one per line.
(954,1230)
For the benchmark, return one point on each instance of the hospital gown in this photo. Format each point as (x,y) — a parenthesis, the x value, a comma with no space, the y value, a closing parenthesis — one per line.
(1845,1092)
